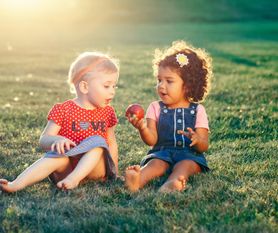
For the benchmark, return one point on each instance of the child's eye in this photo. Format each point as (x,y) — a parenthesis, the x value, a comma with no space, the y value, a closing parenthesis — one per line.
(108,86)
(169,81)
(159,80)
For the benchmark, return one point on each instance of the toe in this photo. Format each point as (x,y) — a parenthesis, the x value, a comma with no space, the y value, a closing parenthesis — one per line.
(60,185)
(181,178)
(3,181)
(129,168)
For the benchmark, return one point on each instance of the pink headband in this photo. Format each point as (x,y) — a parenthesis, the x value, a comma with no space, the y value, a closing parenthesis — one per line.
(86,69)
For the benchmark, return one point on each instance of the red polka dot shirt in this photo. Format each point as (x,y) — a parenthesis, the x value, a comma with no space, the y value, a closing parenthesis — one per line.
(78,123)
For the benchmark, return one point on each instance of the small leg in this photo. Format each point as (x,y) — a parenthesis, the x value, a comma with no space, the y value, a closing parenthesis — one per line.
(132,178)
(35,173)
(99,171)
(173,185)
(85,166)
(181,173)
(6,186)
(137,177)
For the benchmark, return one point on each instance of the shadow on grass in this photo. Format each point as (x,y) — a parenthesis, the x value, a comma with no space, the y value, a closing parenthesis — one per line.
(233,58)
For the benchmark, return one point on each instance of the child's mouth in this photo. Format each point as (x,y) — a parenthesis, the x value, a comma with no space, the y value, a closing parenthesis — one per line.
(108,101)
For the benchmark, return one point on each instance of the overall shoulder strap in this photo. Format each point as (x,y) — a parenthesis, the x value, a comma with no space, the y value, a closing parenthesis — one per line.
(161,104)
(193,105)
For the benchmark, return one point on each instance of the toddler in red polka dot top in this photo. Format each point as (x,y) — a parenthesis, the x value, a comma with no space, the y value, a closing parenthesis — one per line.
(80,133)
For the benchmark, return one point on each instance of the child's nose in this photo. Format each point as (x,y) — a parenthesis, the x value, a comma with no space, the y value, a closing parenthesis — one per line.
(112,92)
(161,85)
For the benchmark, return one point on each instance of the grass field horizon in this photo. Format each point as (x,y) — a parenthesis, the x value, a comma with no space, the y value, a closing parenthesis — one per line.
(240,192)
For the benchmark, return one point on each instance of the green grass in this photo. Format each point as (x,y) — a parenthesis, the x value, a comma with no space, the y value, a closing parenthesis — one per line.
(240,192)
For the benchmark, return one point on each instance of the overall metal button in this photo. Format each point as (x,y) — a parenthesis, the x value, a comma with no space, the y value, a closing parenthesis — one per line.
(179,121)
(165,110)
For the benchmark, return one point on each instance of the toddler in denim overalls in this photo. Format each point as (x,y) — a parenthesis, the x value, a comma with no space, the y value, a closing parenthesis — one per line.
(176,126)
(172,146)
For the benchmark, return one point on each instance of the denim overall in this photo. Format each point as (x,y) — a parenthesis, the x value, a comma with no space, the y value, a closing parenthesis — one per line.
(172,147)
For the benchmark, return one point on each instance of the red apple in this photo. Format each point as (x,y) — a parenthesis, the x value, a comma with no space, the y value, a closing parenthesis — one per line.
(135,110)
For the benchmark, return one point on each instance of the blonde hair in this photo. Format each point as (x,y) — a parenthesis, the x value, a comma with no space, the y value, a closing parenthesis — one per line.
(88,62)
(196,74)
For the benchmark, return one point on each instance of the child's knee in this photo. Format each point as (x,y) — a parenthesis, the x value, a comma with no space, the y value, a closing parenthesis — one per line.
(97,155)
(158,166)
(64,161)
(96,151)
(157,163)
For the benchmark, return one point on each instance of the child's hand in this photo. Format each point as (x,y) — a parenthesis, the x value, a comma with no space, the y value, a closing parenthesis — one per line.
(61,145)
(192,135)
(138,124)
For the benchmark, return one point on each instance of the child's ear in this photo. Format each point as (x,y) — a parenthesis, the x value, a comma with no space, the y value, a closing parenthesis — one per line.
(83,87)
(184,89)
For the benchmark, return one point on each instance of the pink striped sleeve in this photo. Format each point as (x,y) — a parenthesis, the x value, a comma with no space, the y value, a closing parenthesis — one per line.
(153,111)
(201,118)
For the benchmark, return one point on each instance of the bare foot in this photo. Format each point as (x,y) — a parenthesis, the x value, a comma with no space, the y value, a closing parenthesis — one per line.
(173,185)
(67,183)
(7,186)
(132,178)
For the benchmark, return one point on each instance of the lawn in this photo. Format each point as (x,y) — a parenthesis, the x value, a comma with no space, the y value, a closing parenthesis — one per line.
(240,192)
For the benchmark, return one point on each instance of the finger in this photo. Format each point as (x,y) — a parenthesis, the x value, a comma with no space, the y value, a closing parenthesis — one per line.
(191,131)
(64,187)
(193,142)
(187,134)
(67,144)
(142,124)
(181,132)
(138,123)
(53,147)
(58,148)
(62,148)
(72,143)
(129,118)
(134,122)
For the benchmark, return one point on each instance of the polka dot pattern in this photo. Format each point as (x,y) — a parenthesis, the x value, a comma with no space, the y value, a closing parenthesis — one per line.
(78,123)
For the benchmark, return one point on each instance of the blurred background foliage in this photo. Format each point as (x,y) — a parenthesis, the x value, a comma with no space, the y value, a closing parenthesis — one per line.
(46,21)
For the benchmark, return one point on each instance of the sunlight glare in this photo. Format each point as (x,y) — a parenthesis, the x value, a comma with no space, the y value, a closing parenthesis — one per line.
(21,4)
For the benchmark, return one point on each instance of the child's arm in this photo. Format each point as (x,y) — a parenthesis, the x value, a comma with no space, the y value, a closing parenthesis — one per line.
(50,139)
(113,146)
(199,138)
(147,130)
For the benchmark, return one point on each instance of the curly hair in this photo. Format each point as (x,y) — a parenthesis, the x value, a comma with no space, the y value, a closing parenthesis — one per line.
(196,75)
